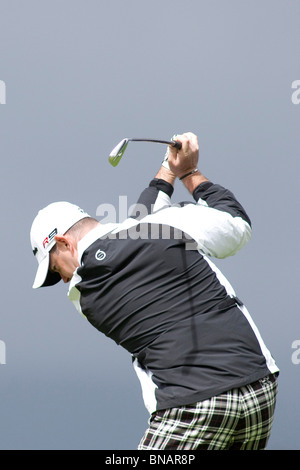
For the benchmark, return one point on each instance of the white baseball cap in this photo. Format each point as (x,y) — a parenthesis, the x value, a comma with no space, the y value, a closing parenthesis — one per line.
(54,219)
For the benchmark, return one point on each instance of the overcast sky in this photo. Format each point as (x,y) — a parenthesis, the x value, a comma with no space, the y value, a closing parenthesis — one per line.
(76,77)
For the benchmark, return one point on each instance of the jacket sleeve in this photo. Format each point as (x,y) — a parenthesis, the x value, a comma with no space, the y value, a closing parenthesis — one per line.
(220,198)
(155,197)
(216,224)
(226,227)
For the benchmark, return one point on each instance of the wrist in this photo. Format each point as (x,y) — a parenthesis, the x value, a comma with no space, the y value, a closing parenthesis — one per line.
(166,175)
(192,180)
(192,172)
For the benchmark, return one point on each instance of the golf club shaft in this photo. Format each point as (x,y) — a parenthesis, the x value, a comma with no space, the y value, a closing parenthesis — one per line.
(173,143)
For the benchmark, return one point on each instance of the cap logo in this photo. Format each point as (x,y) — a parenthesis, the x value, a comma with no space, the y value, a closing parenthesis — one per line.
(50,237)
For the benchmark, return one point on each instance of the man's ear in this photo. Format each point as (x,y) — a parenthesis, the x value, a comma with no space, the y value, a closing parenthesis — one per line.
(62,242)
(65,242)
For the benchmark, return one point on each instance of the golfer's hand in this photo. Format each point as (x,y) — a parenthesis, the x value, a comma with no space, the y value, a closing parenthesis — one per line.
(183,163)
(184,160)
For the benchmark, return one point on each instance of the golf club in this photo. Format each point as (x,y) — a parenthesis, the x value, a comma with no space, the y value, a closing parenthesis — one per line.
(117,153)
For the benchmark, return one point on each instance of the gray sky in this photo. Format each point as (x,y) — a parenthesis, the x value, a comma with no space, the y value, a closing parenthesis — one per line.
(81,75)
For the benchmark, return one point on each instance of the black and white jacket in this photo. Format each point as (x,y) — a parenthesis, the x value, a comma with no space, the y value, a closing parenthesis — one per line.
(150,285)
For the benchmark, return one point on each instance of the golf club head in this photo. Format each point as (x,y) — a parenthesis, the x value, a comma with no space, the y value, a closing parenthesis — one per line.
(118,151)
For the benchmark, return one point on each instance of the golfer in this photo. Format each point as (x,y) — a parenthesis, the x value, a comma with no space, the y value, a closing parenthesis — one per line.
(207,378)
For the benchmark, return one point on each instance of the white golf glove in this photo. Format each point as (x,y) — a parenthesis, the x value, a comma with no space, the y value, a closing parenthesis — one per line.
(165,162)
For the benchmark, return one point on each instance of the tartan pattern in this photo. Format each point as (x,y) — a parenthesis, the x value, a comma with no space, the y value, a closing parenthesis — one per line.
(240,419)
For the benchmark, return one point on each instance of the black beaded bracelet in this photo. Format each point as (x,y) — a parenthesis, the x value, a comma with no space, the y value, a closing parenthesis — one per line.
(190,173)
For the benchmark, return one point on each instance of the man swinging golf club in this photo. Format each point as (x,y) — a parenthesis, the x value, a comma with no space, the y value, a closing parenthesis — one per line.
(207,378)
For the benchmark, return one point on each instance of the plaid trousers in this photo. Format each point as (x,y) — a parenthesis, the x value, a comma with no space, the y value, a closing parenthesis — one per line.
(240,419)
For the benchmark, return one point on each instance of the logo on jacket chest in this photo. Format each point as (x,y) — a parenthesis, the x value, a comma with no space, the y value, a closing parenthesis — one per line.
(100,255)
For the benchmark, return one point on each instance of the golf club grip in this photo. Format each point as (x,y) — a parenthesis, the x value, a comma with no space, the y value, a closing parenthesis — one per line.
(177,144)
